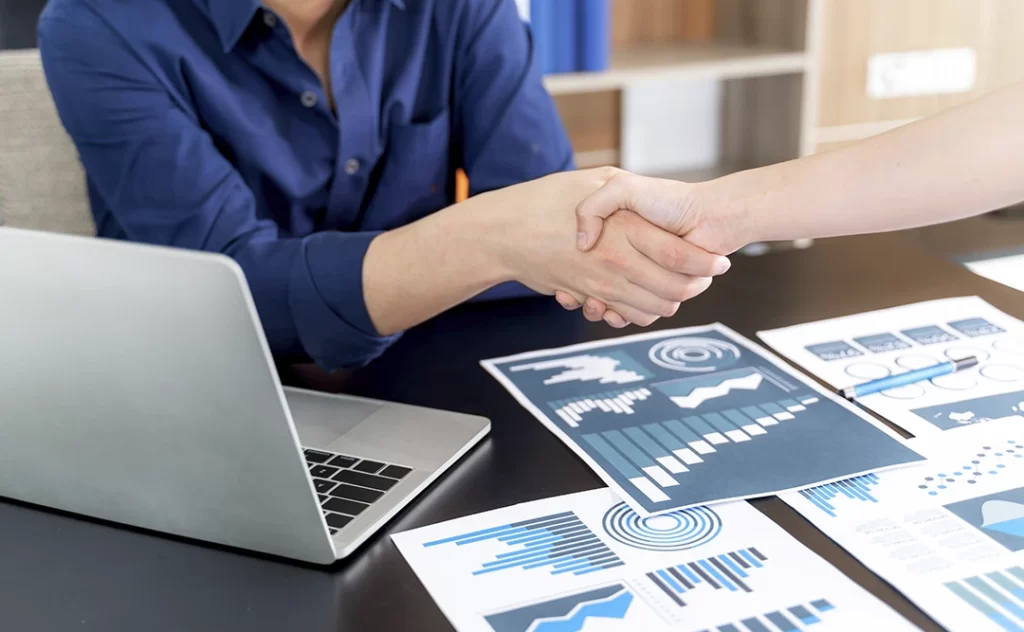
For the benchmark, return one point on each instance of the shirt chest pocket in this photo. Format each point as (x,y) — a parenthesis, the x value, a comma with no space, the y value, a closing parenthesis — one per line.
(417,178)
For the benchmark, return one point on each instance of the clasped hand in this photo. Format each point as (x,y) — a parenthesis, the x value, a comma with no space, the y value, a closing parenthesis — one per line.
(630,269)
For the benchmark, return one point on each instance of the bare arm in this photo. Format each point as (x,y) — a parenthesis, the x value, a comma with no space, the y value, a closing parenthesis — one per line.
(525,233)
(962,162)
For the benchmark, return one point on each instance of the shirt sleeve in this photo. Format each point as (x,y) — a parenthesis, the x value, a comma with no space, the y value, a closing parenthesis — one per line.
(165,182)
(508,127)
(507,124)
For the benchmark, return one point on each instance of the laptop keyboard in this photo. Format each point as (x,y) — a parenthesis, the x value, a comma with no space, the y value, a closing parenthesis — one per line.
(347,485)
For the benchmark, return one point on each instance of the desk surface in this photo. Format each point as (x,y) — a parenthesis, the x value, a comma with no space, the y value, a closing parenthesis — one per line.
(63,573)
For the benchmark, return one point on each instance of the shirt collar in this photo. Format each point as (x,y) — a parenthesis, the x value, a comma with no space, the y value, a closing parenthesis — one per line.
(231,17)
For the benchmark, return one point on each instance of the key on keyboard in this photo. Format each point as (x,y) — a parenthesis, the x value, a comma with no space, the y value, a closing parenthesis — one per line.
(347,485)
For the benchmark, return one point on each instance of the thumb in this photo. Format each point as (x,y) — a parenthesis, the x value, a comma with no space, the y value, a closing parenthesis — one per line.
(592,211)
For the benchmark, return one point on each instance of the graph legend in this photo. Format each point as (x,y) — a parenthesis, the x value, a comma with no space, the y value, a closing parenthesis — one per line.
(560,543)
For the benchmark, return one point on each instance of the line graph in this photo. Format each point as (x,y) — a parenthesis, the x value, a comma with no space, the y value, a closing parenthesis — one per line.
(701,394)
(613,607)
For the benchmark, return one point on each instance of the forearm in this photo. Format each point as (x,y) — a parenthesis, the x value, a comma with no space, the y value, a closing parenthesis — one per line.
(960,163)
(415,272)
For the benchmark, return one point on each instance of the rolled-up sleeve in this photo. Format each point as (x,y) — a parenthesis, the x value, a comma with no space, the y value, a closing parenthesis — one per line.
(165,182)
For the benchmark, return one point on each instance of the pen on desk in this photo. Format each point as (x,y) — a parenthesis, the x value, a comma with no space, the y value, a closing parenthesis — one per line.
(910,377)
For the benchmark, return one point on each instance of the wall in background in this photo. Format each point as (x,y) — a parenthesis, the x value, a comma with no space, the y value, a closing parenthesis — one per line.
(18,23)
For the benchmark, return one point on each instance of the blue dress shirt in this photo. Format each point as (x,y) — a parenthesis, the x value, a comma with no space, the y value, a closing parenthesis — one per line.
(199,126)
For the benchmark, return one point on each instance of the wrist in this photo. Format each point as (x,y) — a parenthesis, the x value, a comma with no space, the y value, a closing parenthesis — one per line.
(478,231)
(725,220)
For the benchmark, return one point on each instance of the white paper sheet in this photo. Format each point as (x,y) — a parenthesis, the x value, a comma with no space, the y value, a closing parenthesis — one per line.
(949,533)
(854,349)
(685,417)
(702,569)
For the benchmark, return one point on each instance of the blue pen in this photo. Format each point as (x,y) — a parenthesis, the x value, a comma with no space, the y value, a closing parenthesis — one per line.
(910,377)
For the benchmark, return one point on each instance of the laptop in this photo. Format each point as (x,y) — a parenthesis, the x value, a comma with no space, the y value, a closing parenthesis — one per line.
(136,386)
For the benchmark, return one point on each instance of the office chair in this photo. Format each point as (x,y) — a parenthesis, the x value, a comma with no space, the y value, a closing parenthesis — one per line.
(42,183)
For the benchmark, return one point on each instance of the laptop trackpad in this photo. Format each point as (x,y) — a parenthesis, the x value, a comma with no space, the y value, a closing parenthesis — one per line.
(322,419)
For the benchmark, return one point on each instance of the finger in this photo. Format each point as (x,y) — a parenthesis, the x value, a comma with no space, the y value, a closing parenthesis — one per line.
(642,298)
(594,309)
(614,319)
(651,288)
(675,253)
(631,314)
(591,212)
(567,300)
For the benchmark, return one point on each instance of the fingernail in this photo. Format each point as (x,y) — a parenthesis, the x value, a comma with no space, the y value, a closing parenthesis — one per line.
(722,265)
(581,240)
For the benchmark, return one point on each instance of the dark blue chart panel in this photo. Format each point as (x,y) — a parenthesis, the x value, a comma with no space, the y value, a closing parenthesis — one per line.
(973,411)
(1000,516)
(694,416)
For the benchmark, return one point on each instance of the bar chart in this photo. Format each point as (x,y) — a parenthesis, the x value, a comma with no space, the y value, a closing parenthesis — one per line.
(656,456)
(681,418)
(612,367)
(782,620)
(621,402)
(728,571)
(999,596)
(559,543)
(858,488)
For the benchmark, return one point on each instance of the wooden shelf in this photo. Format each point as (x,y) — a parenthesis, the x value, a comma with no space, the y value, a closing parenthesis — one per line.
(680,61)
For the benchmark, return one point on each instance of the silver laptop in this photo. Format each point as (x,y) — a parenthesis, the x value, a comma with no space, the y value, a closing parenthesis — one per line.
(136,386)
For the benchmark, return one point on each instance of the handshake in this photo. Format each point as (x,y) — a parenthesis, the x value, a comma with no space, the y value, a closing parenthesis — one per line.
(625,248)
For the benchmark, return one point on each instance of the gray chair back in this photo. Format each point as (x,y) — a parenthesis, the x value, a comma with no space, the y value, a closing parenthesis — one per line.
(42,183)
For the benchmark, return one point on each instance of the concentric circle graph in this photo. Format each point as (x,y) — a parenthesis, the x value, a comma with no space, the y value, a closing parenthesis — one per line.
(694,355)
(674,531)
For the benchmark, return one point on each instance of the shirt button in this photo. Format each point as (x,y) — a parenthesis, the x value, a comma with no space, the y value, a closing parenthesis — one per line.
(352,166)
(308,98)
(269,19)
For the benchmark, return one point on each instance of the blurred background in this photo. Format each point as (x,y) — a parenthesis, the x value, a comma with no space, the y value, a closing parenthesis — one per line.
(692,89)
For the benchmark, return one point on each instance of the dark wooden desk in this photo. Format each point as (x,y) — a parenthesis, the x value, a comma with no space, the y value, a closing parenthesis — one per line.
(63,573)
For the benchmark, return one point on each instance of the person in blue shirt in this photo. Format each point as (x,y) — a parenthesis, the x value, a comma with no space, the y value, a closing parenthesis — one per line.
(315,142)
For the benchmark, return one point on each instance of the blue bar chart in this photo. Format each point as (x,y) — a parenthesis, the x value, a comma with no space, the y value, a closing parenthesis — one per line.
(858,488)
(728,571)
(559,543)
(999,596)
(782,620)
